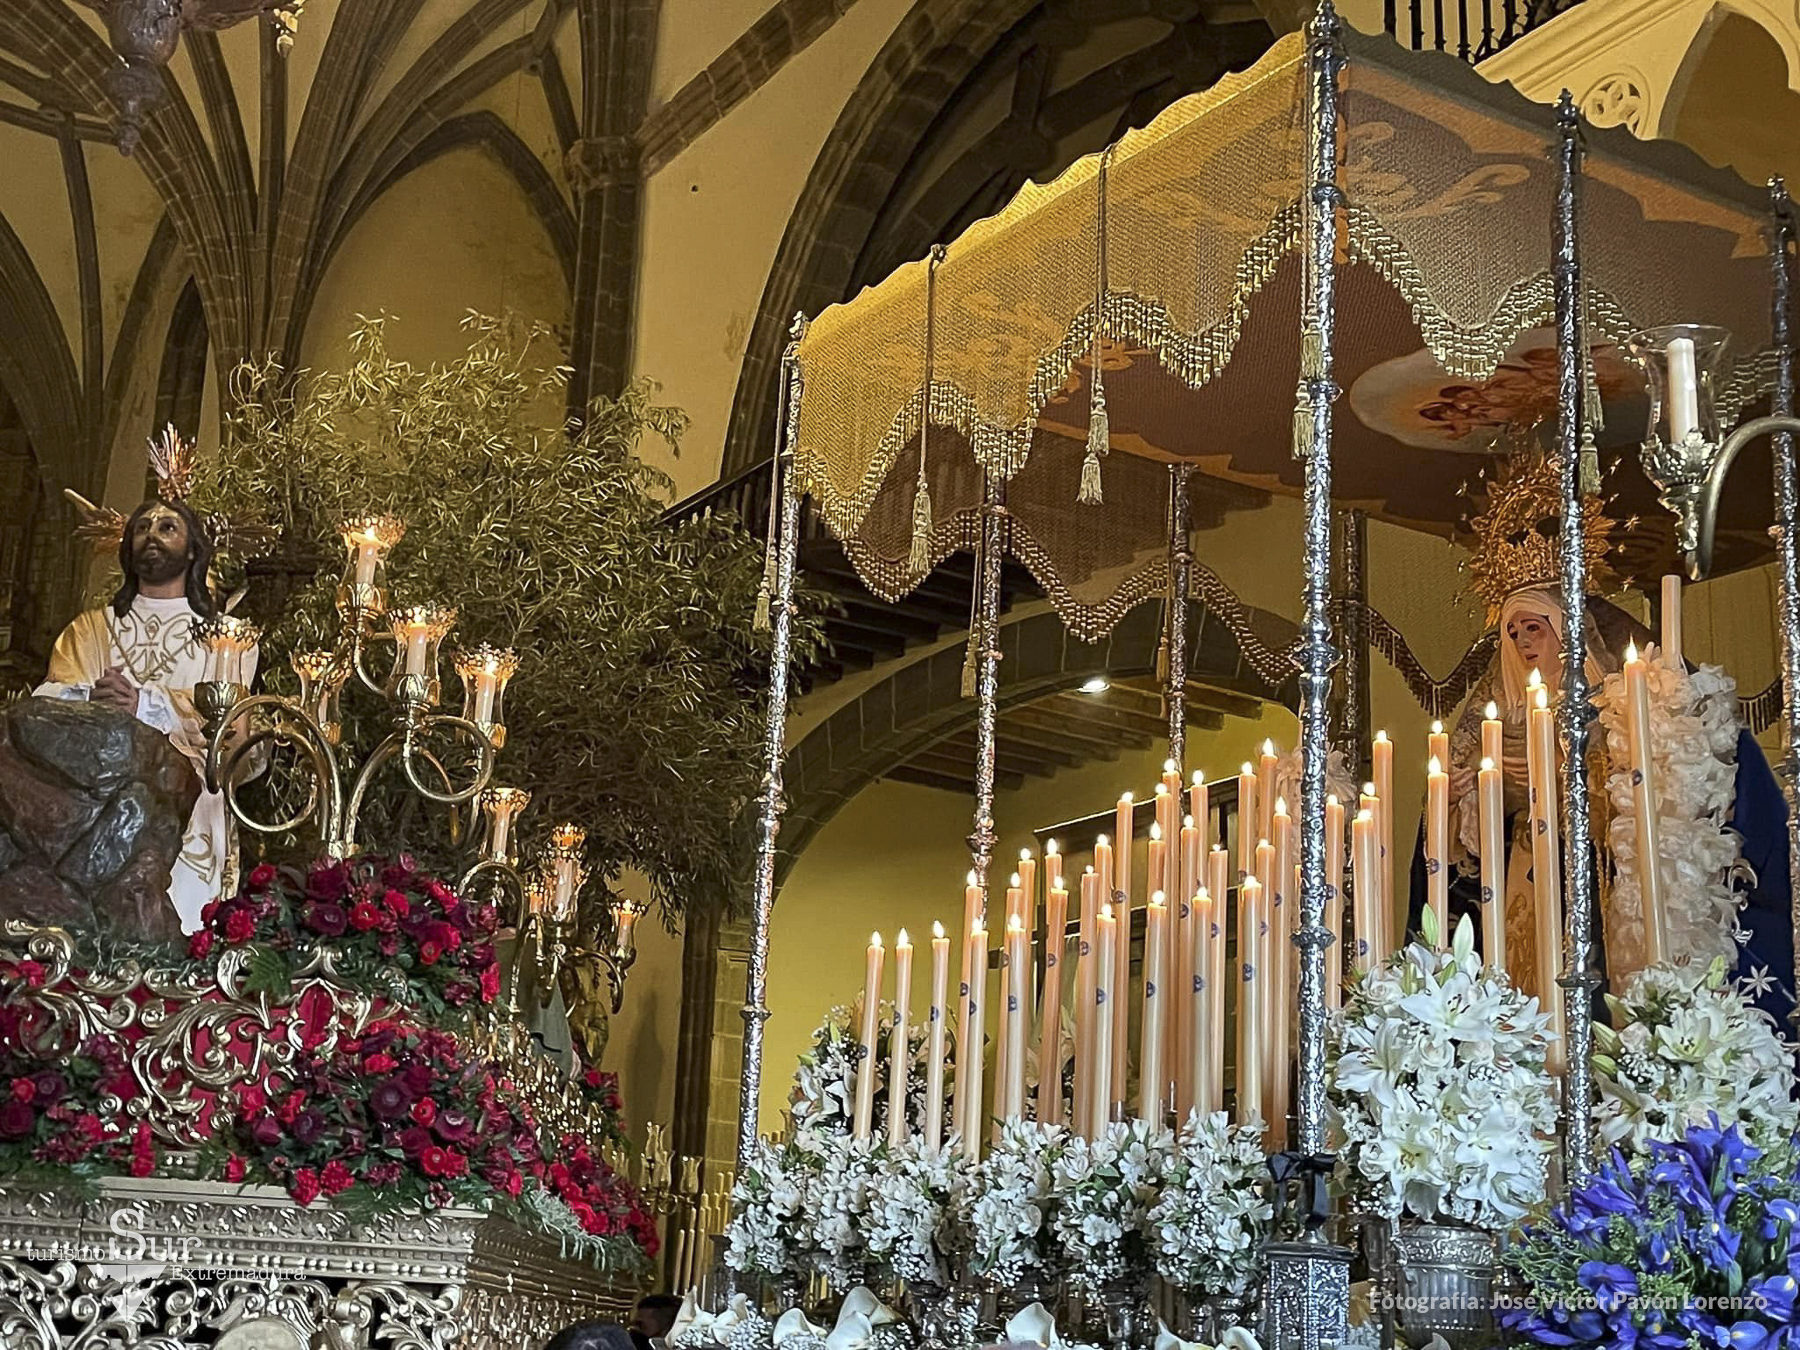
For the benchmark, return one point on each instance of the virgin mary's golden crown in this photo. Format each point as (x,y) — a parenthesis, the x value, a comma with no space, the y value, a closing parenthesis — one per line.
(1517,536)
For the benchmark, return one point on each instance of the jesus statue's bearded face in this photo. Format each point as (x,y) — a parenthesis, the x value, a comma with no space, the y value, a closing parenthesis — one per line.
(1535,640)
(160,546)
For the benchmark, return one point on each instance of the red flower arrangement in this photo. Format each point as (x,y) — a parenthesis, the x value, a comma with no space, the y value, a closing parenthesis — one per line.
(376,914)
(600,1090)
(604,1203)
(69,1114)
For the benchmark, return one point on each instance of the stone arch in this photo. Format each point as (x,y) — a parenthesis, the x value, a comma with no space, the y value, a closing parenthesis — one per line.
(920,703)
(851,224)
(1723,37)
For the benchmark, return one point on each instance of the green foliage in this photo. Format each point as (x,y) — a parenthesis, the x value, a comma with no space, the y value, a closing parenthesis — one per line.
(638,707)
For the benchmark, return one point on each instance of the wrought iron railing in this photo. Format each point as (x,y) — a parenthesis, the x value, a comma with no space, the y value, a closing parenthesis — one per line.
(1473,29)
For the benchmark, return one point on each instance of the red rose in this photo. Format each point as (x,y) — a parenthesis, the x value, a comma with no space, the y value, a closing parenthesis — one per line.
(364,916)
(261,875)
(490,984)
(290,1107)
(239,926)
(200,944)
(455,1164)
(429,952)
(235,1167)
(434,1162)
(424,1111)
(397,902)
(379,1064)
(336,1177)
(304,1186)
(414,1140)
(23,1090)
(440,893)
(210,908)
(252,1099)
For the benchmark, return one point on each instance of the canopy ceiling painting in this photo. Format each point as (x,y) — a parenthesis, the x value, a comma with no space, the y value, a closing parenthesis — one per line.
(1185,239)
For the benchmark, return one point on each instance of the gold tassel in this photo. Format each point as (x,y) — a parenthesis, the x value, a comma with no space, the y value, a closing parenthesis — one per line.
(1098,443)
(1303,425)
(968,671)
(1162,658)
(919,561)
(1590,464)
(765,591)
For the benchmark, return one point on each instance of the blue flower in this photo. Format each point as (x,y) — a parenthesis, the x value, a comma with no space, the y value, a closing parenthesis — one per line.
(1613,1286)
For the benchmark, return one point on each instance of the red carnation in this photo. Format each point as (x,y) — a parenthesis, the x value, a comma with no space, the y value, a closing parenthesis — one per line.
(200,944)
(291,1106)
(429,952)
(23,1089)
(336,1177)
(434,1162)
(235,1168)
(304,1186)
(424,1111)
(379,1064)
(397,902)
(239,926)
(490,984)
(261,875)
(364,916)
(251,1098)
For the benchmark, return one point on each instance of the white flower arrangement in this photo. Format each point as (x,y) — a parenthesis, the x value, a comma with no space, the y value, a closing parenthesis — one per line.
(1438,1086)
(1012,1201)
(824,1093)
(1686,1045)
(912,1222)
(1693,748)
(1105,1190)
(1213,1216)
(841,1201)
(769,1233)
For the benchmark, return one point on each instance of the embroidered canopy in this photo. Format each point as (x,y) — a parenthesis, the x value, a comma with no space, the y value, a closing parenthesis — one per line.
(1183,239)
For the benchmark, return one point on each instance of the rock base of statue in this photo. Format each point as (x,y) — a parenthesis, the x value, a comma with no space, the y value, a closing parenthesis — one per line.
(1439,1279)
(93,804)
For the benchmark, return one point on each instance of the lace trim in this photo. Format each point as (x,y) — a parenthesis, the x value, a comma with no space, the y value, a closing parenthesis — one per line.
(1438,697)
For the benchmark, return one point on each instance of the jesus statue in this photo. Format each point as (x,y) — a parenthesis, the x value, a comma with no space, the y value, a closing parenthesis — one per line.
(138,654)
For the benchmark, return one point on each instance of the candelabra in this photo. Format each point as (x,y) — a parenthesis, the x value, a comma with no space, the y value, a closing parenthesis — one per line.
(549,930)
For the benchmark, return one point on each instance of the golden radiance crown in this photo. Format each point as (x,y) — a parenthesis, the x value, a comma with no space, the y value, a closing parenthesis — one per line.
(1517,536)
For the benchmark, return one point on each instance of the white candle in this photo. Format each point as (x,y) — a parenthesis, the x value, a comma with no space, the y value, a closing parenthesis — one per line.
(1493,865)
(1050,1099)
(1645,805)
(486,681)
(1157,860)
(974,1115)
(1493,735)
(418,640)
(1219,984)
(1546,862)
(1334,900)
(1284,899)
(865,1076)
(940,1012)
(1381,835)
(1200,808)
(1249,1046)
(1015,962)
(1085,988)
(368,554)
(1265,791)
(1437,744)
(1246,822)
(1684,391)
(899,1062)
(1365,893)
(1003,1040)
(1121,902)
(1053,866)
(1200,997)
(1152,1084)
(1437,846)
(1105,950)
(1671,622)
(1183,980)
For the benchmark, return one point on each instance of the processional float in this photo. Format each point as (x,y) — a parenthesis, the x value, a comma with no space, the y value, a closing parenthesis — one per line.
(1046,385)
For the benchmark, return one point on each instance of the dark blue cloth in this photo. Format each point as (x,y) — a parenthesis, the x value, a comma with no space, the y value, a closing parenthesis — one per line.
(1760,816)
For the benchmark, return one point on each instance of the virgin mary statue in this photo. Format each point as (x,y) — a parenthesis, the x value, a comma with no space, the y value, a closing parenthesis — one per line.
(1723,857)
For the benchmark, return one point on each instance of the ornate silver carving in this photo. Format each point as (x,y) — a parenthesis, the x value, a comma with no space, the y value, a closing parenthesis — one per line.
(1787,509)
(1181,559)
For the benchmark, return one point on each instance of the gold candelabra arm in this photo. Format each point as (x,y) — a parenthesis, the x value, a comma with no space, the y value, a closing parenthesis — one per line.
(1705,504)
(411,751)
(504,874)
(223,707)
(358,630)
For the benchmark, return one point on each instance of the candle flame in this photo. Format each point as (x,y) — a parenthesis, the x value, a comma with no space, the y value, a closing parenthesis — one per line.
(972,881)
(1533,680)
(1106,912)
(1100,841)
(874,939)
(903,940)
(1269,748)
(1331,799)
(1543,697)
(1124,799)
(1187,822)
(1168,766)
(1015,883)
(1155,830)
(1368,790)
(1158,898)
(1437,727)
(1199,778)
(1218,848)
(1631,651)
(1162,789)
(1281,806)
(1248,771)
(1052,848)
(1014,924)
(1381,737)
(1024,855)
(1090,870)
(937,929)
(1492,711)
(1487,765)
(1435,766)
(1365,816)
(1203,896)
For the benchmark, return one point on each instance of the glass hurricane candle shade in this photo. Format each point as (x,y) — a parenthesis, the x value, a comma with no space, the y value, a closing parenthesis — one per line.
(1686,366)
(485,671)
(227,641)
(418,631)
(625,915)
(564,871)
(322,678)
(501,806)
(367,540)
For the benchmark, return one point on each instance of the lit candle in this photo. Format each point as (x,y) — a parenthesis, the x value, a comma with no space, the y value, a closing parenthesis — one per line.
(865,1077)
(1249,1047)
(1437,745)
(1202,1087)
(1218,986)
(417,637)
(1493,735)
(368,556)
(1200,808)
(1105,950)
(1085,987)
(1168,815)
(1152,1084)
(1053,866)
(1003,1046)
(1284,902)
(940,1012)
(1027,887)
(1546,860)
(1382,832)
(1278,965)
(1437,846)
(1645,805)
(1488,790)
(974,1117)
(487,677)
(1120,1006)
(974,908)
(1171,779)
(1365,893)
(1265,791)
(1334,900)
(1015,961)
(1684,393)
(1158,860)
(1103,867)
(1185,981)
(899,1062)
(1671,622)
(1246,822)
(1056,920)
(965,1033)
(1123,831)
